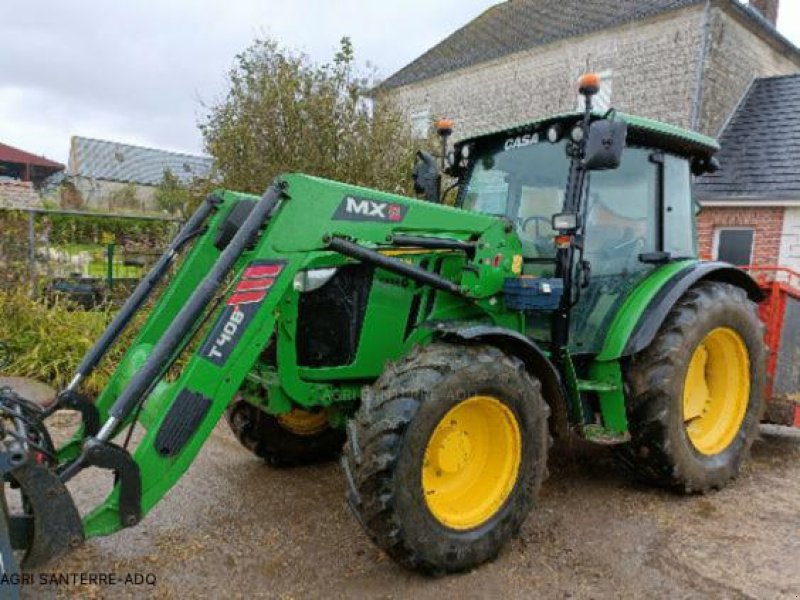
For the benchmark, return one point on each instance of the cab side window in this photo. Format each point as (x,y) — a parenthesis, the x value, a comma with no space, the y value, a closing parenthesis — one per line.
(679,222)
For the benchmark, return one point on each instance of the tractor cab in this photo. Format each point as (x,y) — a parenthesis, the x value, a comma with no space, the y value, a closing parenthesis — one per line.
(615,220)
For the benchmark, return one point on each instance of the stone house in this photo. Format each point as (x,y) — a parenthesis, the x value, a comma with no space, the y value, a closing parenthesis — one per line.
(751,207)
(105,175)
(685,62)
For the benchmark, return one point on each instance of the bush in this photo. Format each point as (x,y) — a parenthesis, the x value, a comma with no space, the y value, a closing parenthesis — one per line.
(72,229)
(14,269)
(46,341)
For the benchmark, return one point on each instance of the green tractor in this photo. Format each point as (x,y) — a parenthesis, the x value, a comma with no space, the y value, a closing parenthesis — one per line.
(439,346)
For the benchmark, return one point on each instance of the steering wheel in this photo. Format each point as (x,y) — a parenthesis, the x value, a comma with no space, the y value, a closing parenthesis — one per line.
(624,254)
(614,250)
(525,222)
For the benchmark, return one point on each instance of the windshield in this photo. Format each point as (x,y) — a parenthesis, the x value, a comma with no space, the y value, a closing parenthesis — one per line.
(524,180)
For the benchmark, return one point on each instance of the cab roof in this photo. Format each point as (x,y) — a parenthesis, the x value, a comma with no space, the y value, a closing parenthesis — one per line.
(641,131)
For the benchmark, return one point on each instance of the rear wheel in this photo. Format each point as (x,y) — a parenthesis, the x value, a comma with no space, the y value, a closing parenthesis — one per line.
(446,456)
(697,392)
(296,438)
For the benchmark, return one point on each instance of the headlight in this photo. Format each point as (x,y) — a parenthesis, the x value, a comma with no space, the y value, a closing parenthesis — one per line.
(577,133)
(308,281)
(565,222)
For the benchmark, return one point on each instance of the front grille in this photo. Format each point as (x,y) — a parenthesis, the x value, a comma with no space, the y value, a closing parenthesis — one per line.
(330,318)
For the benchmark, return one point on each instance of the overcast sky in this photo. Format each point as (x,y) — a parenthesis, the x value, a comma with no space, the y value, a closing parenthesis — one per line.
(138,70)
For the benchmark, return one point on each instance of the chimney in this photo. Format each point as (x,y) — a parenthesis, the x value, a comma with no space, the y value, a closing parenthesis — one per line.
(768,8)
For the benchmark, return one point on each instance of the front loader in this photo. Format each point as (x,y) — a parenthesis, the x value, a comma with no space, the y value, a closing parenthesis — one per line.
(440,345)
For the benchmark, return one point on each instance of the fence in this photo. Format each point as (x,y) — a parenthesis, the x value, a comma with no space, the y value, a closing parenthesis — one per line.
(87,255)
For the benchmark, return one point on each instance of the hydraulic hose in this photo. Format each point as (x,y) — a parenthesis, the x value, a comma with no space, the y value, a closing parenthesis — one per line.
(164,351)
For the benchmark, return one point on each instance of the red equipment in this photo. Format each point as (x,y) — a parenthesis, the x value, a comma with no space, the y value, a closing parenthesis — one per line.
(780,312)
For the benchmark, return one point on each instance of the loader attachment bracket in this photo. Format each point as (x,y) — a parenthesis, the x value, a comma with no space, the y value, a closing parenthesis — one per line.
(72,400)
(44,522)
(51,525)
(106,455)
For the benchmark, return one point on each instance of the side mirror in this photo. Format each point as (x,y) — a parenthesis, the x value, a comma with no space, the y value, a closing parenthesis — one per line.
(702,166)
(426,177)
(605,145)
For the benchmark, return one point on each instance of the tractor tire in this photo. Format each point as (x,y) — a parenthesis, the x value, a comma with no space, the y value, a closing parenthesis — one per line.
(446,455)
(697,393)
(299,438)
(9,568)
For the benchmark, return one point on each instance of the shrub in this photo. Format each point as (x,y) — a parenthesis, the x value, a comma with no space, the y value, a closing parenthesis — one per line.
(46,341)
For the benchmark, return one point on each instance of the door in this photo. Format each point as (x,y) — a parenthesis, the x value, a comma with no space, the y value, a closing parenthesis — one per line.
(621,224)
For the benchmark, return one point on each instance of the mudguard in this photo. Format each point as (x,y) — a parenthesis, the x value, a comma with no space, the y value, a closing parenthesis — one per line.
(516,344)
(654,305)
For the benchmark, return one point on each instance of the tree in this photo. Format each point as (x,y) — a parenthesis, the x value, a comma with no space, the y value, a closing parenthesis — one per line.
(172,196)
(283,113)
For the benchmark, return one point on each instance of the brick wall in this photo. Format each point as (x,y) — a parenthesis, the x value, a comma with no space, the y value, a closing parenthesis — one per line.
(767,222)
(19,194)
(738,53)
(654,65)
(768,8)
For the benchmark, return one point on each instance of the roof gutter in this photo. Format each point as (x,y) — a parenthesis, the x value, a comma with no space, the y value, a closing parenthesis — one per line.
(700,81)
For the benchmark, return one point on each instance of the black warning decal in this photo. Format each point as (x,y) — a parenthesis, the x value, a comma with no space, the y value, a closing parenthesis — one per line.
(252,289)
(353,208)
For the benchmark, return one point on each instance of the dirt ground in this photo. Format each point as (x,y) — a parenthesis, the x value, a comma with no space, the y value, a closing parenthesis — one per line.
(234,527)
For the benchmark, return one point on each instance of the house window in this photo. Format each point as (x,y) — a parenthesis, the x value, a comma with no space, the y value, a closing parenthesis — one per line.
(734,245)
(421,124)
(602,101)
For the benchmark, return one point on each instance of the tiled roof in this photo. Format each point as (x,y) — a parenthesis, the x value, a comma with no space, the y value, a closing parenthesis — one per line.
(112,161)
(760,154)
(517,25)
(17,156)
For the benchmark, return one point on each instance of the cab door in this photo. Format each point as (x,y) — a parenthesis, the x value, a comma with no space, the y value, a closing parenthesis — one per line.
(623,218)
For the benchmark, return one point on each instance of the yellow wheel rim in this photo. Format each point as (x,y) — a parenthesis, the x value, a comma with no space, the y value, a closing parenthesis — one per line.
(301,422)
(716,391)
(471,462)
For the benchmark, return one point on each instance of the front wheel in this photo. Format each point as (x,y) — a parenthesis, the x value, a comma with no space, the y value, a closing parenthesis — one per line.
(294,439)
(446,456)
(697,393)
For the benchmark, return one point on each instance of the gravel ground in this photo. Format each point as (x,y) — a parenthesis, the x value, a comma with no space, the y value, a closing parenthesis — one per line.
(234,527)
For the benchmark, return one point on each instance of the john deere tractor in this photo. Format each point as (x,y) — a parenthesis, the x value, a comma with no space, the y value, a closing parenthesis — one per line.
(439,346)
